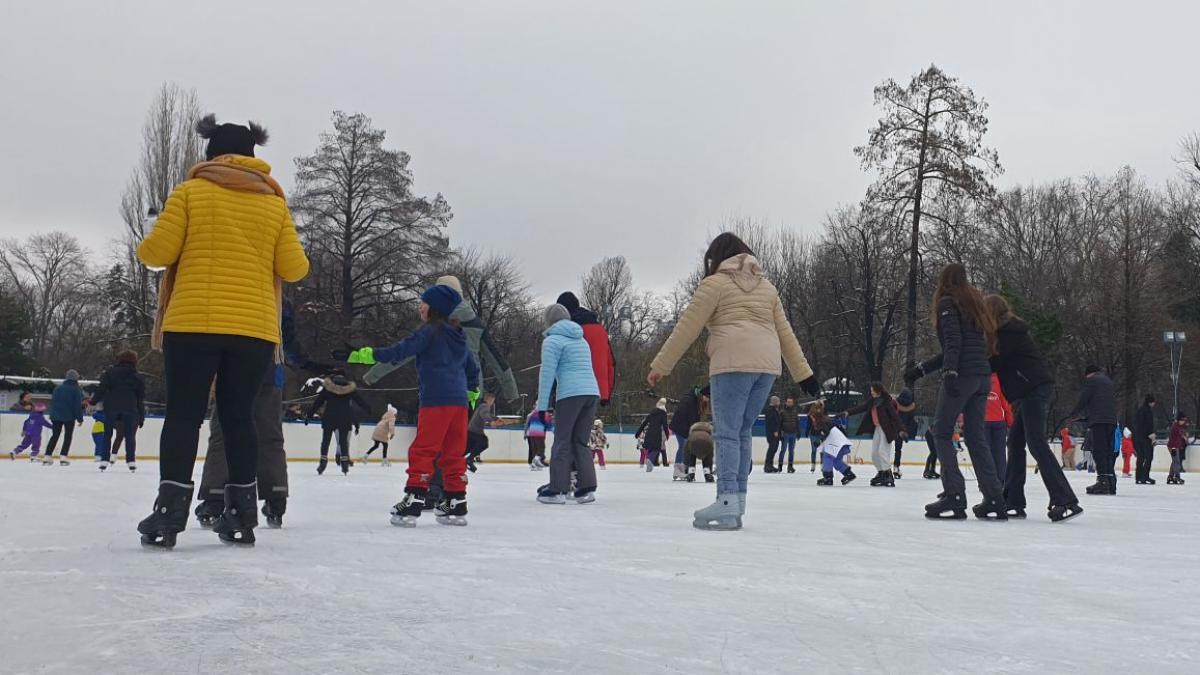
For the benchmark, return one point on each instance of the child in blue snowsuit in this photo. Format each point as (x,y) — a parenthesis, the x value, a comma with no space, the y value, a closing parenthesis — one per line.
(98,431)
(31,432)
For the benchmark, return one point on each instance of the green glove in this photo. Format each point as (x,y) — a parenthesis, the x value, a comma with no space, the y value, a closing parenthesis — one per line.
(364,356)
(473,396)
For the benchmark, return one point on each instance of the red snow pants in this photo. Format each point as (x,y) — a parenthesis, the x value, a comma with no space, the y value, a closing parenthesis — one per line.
(441,437)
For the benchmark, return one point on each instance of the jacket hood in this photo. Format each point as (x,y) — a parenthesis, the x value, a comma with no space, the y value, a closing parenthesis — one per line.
(583,316)
(1014,326)
(568,329)
(390,413)
(743,270)
(238,172)
(463,313)
(339,385)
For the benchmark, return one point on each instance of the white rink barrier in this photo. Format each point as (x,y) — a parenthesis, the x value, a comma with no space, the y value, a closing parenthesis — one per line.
(507,444)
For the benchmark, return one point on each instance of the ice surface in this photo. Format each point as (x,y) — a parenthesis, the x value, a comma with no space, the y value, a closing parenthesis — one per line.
(831,579)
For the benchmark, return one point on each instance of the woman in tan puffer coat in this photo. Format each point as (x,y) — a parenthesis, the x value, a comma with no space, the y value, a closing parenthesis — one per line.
(748,337)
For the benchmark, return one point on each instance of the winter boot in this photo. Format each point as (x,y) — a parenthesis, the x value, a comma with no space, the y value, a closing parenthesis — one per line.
(321,465)
(826,478)
(955,505)
(1061,512)
(208,512)
(237,523)
(273,510)
(990,509)
(452,510)
(406,512)
(848,477)
(169,517)
(722,514)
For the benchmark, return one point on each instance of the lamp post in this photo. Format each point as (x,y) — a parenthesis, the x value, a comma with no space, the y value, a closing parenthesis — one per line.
(1174,341)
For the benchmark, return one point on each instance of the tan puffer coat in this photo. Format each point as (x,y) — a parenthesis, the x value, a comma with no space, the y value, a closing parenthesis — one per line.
(747,329)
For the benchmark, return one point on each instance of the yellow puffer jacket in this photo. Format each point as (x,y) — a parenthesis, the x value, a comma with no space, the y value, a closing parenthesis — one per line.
(747,329)
(228,245)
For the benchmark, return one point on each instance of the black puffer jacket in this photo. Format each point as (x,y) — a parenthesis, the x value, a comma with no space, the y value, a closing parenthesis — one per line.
(1017,361)
(122,391)
(655,427)
(337,395)
(1097,400)
(964,347)
(789,420)
(687,413)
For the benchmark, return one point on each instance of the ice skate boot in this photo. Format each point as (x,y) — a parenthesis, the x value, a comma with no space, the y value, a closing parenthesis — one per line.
(321,465)
(583,496)
(208,512)
(471,464)
(169,517)
(385,462)
(344,461)
(103,465)
(538,463)
(273,510)
(649,466)
(896,472)
(723,514)
(48,460)
(63,461)
(548,496)
(237,523)
(12,454)
(434,495)
(955,505)
(679,472)
(848,477)
(990,509)
(791,469)
(1061,512)
(887,480)
(812,468)
(691,475)
(406,512)
(132,466)
(453,509)
(1016,512)
(709,478)
(34,459)
(826,478)
(877,480)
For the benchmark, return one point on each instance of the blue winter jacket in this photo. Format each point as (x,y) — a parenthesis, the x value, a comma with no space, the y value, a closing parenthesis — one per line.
(446,369)
(66,403)
(567,360)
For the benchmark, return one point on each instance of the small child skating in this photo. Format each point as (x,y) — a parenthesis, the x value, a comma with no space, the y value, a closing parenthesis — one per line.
(31,432)
(535,436)
(445,371)
(834,446)
(599,442)
(385,430)
(98,431)
(1126,452)
(699,446)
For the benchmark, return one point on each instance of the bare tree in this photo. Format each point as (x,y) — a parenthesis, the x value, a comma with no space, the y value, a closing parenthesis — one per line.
(1189,159)
(46,270)
(607,289)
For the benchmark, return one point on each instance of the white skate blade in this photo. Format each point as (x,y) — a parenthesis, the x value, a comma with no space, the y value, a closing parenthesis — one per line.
(404,521)
(460,521)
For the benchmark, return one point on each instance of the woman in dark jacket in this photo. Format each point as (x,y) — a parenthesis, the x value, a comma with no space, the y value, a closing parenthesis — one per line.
(966,333)
(881,422)
(1143,440)
(1027,385)
(123,393)
(66,411)
(656,432)
(337,395)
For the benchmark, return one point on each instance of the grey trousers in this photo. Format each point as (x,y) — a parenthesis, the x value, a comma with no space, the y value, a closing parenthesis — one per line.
(573,419)
(272,460)
(970,400)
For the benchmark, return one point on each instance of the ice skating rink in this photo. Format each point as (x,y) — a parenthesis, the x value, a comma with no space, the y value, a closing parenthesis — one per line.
(822,580)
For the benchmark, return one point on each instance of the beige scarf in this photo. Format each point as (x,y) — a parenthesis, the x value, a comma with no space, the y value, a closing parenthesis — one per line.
(224,172)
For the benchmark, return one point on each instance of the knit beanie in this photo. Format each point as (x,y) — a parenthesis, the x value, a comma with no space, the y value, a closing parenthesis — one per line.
(1091,369)
(441,299)
(555,313)
(569,301)
(450,281)
(229,139)
(662,404)
(72,374)
(774,400)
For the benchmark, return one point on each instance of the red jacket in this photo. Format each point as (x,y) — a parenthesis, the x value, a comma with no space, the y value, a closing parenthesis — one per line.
(602,359)
(1178,439)
(1067,443)
(998,409)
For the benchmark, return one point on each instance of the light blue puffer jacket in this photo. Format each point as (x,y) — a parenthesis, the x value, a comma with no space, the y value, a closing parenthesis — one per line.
(567,360)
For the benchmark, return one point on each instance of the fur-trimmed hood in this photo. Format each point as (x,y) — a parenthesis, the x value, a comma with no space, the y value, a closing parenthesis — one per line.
(339,385)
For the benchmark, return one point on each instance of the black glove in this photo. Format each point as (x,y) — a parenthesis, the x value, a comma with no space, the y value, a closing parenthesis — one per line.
(604,402)
(356,430)
(913,374)
(950,381)
(811,386)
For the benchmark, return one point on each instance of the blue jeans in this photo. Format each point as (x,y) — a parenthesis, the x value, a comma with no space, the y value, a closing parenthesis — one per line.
(737,399)
(682,441)
(789,449)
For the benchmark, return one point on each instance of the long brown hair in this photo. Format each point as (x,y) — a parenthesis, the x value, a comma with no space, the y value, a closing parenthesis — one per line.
(725,246)
(816,415)
(953,282)
(999,308)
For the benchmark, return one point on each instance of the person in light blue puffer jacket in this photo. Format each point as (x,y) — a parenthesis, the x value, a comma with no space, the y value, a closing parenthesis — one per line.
(567,366)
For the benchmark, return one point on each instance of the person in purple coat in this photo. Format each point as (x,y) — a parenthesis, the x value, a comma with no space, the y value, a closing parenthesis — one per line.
(31,432)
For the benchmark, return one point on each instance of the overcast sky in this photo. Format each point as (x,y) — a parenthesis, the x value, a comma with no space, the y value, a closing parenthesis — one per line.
(561,132)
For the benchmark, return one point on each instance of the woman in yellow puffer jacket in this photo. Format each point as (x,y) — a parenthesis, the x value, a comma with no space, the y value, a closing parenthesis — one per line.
(748,337)
(227,242)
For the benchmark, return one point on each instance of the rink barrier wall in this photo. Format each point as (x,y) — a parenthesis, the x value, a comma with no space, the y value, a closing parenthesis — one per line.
(507,444)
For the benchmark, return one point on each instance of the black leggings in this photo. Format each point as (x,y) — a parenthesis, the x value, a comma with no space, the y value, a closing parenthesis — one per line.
(376,446)
(343,441)
(191,360)
(67,429)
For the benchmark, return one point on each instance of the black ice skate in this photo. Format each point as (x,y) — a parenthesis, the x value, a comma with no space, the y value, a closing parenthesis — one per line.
(709,478)
(237,523)
(170,515)
(886,479)
(1061,512)
(273,510)
(1099,487)
(405,513)
(345,463)
(954,505)
(990,509)
(848,477)
(321,465)
(208,512)
(1017,512)
(452,510)
(826,478)
(877,480)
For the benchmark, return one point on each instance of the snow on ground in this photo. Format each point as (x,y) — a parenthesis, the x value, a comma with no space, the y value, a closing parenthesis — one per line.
(836,579)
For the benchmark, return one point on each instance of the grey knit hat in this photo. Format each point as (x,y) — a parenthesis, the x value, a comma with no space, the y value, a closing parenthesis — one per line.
(555,313)
(72,374)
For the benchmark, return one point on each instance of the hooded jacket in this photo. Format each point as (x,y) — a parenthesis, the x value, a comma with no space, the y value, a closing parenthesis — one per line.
(123,392)
(386,428)
(566,364)
(998,409)
(1017,362)
(687,413)
(479,342)
(773,420)
(226,234)
(747,329)
(446,369)
(700,441)
(603,363)
(66,403)
(655,428)
(337,394)
(35,423)
(1097,400)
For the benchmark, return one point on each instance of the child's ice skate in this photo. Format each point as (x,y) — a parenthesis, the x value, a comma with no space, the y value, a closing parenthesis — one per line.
(452,510)
(406,512)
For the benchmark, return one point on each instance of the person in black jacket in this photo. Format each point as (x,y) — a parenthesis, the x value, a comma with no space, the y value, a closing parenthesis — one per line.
(1143,440)
(337,395)
(1098,405)
(880,405)
(688,411)
(656,430)
(966,333)
(774,421)
(1027,385)
(123,393)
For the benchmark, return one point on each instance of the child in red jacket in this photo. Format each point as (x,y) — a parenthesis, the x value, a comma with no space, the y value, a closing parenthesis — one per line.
(1068,448)
(1126,452)
(996,422)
